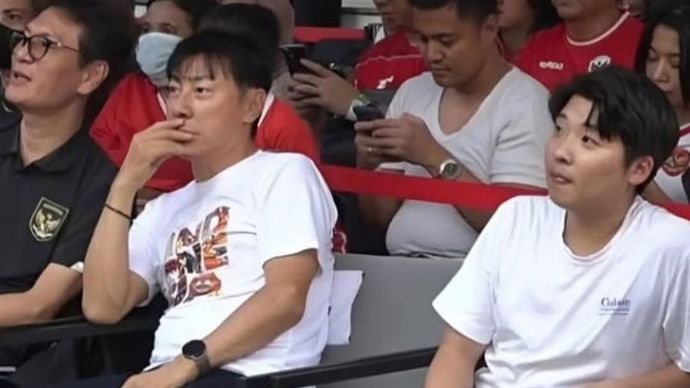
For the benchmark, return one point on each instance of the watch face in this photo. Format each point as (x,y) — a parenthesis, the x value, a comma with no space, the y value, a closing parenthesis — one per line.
(450,170)
(194,349)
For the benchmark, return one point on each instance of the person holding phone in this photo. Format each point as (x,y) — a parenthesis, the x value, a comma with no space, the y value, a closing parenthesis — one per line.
(383,68)
(473,118)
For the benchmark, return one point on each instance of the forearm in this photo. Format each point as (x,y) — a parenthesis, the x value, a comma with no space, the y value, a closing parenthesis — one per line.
(19,309)
(449,371)
(262,318)
(106,269)
(668,377)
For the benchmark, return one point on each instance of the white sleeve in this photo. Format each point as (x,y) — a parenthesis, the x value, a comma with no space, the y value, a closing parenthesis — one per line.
(467,302)
(297,212)
(676,325)
(519,153)
(142,251)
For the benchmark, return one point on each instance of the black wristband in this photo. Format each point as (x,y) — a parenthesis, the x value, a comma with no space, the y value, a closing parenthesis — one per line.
(118,212)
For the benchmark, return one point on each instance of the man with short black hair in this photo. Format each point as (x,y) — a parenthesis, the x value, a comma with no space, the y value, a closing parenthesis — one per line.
(242,254)
(473,118)
(54,179)
(569,290)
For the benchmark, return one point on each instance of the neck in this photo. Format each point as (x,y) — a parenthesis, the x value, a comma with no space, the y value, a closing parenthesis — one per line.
(592,26)
(515,39)
(234,152)
(494,69)
(589,230)
(43,133)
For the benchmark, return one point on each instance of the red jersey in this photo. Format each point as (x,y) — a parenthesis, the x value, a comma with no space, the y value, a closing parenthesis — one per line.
(134,106)
(554,59)
(388,64)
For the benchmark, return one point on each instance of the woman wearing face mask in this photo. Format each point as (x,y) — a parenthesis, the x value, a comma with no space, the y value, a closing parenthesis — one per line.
(664,55)
(286,22)
(136,102)
(518,20)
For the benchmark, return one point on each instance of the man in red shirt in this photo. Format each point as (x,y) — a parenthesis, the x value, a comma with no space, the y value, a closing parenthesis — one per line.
(384,67)
(594,34)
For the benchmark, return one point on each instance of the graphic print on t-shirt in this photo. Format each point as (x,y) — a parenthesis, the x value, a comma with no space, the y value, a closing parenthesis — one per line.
(192,256)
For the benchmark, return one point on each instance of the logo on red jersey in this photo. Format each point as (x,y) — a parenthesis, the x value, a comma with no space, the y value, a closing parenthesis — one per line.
(599,63)
(551,65)
(678,163)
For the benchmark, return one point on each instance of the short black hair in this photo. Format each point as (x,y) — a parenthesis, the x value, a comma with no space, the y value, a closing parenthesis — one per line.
(475,9)
(196,9)
(626,106)
(239,56)
(109,34)
(251,20)
(674,14)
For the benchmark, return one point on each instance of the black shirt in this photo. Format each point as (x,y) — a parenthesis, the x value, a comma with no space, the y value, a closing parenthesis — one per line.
(48,209)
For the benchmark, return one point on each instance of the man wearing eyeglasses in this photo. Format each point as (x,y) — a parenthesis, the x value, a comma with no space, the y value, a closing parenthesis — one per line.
(53,178)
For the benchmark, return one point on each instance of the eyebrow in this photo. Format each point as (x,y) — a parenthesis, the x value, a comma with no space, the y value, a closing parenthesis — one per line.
(651,48)
(195,78)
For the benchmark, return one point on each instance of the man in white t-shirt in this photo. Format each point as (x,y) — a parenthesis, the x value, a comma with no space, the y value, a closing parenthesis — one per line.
(472,118)
(242,254)
(588,287)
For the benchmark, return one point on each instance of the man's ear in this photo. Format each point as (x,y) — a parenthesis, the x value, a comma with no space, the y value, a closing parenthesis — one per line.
(93,76)
(640,170)
(254,101)
(490,25)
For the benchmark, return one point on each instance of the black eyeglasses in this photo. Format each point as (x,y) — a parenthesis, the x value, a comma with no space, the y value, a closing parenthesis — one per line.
(38,45)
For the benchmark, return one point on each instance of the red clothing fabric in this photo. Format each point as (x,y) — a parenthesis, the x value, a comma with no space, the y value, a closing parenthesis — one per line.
(134,106)
(554,59)
(389,63)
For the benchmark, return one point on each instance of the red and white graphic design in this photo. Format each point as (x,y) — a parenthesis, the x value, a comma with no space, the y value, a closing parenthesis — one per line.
(192,257)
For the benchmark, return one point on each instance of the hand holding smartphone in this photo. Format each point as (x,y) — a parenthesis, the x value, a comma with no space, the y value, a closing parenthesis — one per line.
(294,53)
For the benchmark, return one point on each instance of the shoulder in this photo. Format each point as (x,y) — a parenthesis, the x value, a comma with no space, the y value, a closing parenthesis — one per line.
(548,35)
(394,45)
(527,209)
(97,161)
(523,88)
(668,228)
(276,163)
(419,86)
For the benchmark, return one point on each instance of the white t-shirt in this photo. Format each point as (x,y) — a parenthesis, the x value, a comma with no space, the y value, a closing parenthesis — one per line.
(670,175)
(553,319)
(503,142)
(205,245)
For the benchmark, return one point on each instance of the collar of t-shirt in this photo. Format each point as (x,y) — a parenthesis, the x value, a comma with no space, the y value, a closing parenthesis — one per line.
(685,129)
(600,255)
(601,37)
(59,160)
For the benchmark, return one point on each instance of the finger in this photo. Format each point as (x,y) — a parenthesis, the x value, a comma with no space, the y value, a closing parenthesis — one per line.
(309,90)
(316,68)
(173,123)
(305,78)
(412,118)
(177,135)
(364,126)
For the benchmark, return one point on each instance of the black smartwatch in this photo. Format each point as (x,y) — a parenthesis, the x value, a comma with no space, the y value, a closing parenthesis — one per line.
(195,350)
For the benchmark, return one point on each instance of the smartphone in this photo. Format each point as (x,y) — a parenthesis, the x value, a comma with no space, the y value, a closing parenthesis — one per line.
(293,54)
(368,113)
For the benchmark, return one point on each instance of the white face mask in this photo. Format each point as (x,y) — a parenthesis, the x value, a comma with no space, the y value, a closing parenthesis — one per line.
(153,52)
